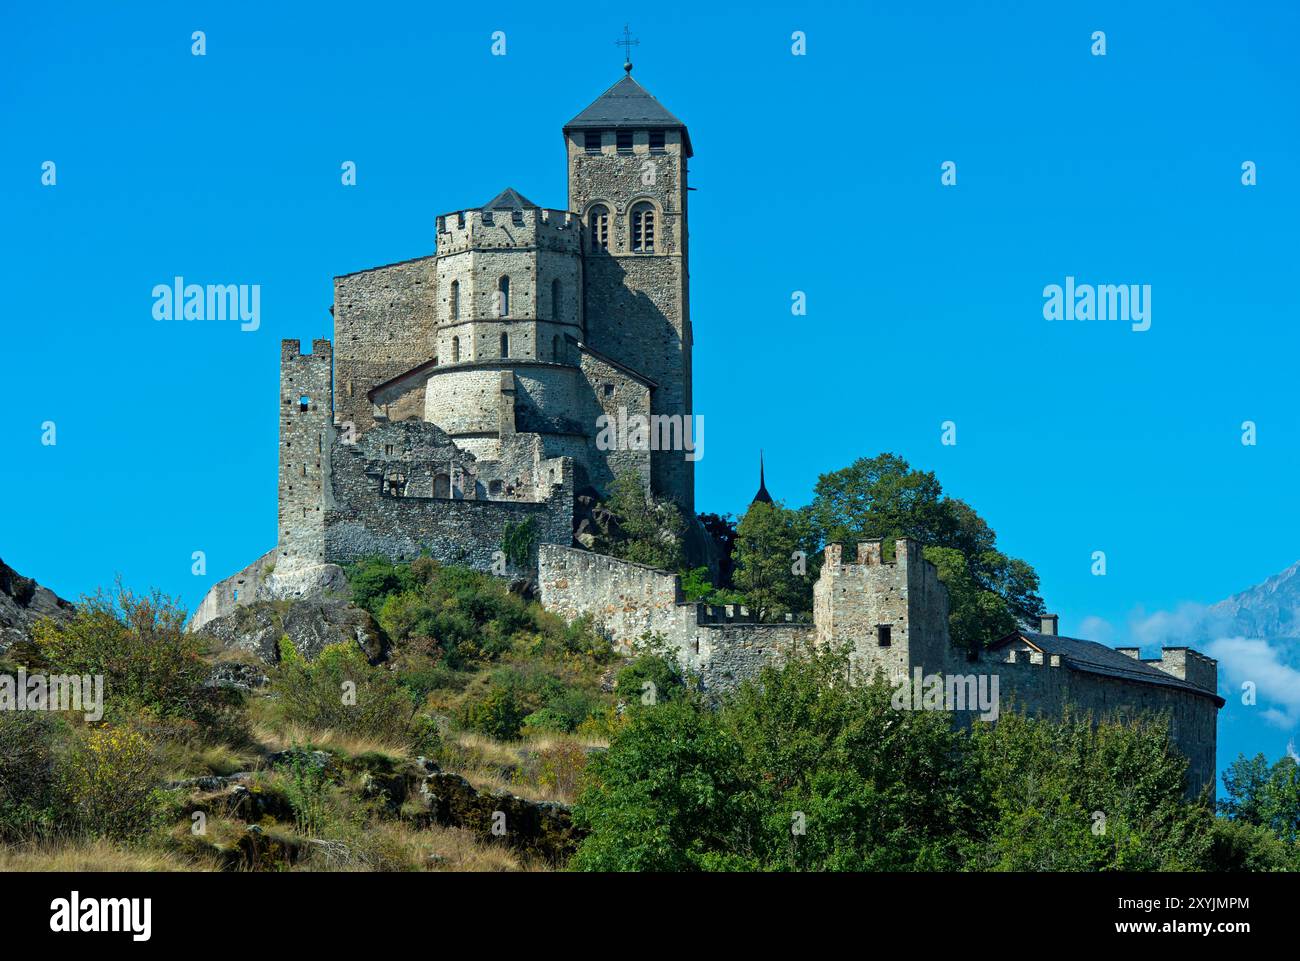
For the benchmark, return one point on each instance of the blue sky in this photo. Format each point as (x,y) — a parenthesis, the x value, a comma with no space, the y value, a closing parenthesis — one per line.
(818,173)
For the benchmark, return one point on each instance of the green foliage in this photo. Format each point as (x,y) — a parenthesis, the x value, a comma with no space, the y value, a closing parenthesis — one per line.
(803,770)
(667,796)
(139,645)
(306,785)
(883,497)
(771,559)
(976,616)
(1264,795)
(653,676)
(340,691)
(1242,846)
(697,586)
(1079,796)
(518,540)
(31,746)
(498,714)
(110,781)
(374,579)
(650,529)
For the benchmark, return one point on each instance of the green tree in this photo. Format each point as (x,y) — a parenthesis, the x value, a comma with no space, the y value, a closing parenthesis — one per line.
(666,796)
(1264,795)
(884,497)
(771,563)
(650,530)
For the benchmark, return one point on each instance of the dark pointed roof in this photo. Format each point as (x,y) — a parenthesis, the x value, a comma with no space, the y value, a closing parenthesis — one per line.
(762,497)
(628,104)
(510,199)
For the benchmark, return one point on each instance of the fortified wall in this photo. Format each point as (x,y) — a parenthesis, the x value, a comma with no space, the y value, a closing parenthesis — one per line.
(632,603)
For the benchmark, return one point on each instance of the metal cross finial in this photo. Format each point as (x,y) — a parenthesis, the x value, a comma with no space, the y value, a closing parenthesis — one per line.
(627,43)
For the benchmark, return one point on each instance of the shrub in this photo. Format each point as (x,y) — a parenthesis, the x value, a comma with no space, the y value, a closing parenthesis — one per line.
(31,745)
(149,663)
(341,691)
(548,721)
(498,714)
(374,579)
(111,779)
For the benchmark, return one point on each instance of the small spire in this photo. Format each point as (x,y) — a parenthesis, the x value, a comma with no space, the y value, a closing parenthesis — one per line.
(627,43)
(762,496)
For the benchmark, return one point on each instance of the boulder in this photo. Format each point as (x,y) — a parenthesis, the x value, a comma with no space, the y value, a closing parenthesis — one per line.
(309,624)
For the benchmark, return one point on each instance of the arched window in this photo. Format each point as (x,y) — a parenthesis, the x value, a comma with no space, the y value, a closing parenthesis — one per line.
(505,345)
(503,297)
(455,350)
(555,348)
(555,299)
(455,300)
(643,228)
(599,219)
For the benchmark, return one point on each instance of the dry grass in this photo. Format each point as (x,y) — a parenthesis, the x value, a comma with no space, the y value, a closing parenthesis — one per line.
(278,737)
(394,846)
(93,855)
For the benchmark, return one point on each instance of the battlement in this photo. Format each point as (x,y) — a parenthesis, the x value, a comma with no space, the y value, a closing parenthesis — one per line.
(1033,658)
(321,349)
(870,554)
(529,228)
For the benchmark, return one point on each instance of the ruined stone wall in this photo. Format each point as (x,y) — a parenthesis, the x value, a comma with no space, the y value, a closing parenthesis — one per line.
(384,325)
(241,588)
(306,433)
(464,528)
(632,603)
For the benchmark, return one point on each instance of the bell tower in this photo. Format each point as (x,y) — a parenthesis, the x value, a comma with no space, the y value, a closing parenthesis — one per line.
(627,184)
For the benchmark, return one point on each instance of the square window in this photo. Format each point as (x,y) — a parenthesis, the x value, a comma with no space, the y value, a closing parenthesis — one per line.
(591,141)
(656,141)
(625,141)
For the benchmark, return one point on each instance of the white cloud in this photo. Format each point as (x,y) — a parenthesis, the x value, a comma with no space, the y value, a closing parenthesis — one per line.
(1277,684)
(1097,629)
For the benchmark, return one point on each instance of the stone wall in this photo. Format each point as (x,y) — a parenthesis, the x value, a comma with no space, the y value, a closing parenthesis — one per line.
(306,433)
(369,517)
(631,604)
(241,588)
(384,325)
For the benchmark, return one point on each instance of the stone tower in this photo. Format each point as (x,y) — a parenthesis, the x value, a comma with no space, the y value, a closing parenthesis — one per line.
(627,182)
(893,616)
(306,433)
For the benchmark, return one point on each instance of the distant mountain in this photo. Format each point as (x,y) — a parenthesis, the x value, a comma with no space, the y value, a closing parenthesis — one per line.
(23,602)
(1270,609)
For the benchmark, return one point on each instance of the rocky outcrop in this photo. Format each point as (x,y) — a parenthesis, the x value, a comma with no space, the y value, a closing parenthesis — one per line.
(268,580)
(23,602)
(310,625)
(538,828)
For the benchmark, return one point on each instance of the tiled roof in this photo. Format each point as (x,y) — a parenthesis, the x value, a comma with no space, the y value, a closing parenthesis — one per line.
(1094,658)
